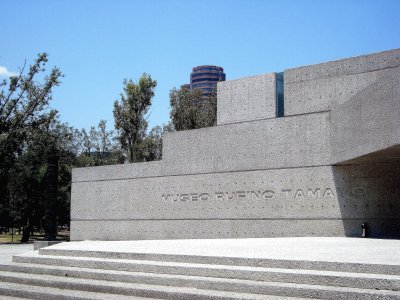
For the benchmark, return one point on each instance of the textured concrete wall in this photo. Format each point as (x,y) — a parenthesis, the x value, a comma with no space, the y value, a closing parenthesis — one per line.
(263,144)
(291,202)
(246,99)
(325,86)
(258,176)
(369,122)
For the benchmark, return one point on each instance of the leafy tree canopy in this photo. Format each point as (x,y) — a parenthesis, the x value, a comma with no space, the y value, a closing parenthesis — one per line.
(130,115)
(24,103)
(24,107)
(191,110)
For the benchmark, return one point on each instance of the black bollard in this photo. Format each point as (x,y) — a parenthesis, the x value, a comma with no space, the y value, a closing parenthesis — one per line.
(49,220)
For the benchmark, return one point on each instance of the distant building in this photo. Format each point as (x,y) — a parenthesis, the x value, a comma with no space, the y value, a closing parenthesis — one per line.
(205,78)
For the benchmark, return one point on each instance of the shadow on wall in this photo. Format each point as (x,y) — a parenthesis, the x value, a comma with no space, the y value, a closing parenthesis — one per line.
(368,122)
(369,194)
(365,138)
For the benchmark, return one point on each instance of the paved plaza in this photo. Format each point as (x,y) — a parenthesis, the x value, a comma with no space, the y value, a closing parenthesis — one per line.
(348,250)
(8,250)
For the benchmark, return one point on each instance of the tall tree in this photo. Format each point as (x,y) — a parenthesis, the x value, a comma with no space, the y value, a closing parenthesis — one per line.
(184,108)
(130,115)
(27,185)
(207,115)
(191,110)
(24,108)
(99,147)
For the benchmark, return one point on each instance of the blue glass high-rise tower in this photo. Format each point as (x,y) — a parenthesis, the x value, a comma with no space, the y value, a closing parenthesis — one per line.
(205,78)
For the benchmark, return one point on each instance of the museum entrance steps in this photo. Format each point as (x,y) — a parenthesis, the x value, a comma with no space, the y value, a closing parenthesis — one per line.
(203,269)
(282,283)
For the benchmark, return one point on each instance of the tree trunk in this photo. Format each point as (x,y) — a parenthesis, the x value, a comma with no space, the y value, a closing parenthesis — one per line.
(26,233)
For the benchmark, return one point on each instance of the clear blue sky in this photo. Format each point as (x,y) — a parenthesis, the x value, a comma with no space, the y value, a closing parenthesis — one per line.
(97,44)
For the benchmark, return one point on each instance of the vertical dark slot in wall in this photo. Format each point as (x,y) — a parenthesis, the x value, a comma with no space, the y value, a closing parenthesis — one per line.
(279,95)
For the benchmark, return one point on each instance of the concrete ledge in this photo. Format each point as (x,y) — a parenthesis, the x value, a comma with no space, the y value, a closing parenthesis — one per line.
(42,244)
(124,171)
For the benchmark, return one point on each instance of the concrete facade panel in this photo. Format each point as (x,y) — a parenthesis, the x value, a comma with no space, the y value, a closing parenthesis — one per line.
(203,229)
(246,99)
(323,87)
(347,194)
(369,121)
(263,144)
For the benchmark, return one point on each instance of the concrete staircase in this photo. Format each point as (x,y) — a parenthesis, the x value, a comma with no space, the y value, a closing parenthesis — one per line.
(52,273)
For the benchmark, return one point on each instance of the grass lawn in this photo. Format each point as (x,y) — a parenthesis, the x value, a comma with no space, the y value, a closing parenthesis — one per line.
(7,238)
